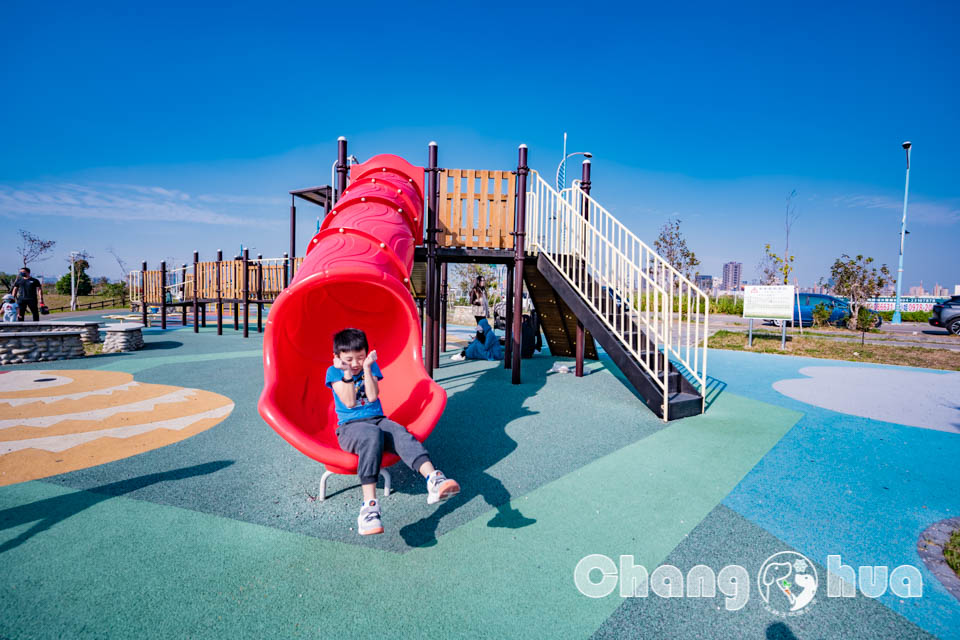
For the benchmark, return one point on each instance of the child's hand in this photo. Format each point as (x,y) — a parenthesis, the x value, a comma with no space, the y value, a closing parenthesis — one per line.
(338,363)
(370,359)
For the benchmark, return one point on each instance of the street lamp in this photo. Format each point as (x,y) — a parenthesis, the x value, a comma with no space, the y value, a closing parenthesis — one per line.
(562,165)
(903,232)
(73,281)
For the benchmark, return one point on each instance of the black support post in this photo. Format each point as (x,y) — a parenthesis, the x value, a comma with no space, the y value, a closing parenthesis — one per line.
(236,303)
(508,327)
(246,292)
(518,251)
(431,302)
(143,292)
(286,270)
(259,293)
(196,291)
(341,167)
(581,333)
(443,307)
(183,295)
(293,225)
(219,293)
(163,295)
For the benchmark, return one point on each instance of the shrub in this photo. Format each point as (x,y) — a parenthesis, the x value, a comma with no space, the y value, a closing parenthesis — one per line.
(907,316)
(821,315)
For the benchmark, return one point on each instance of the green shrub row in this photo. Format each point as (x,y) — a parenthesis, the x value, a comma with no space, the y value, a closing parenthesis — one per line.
(907,316)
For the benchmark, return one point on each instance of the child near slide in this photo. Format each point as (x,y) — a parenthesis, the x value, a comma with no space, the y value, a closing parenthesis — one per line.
(362,429)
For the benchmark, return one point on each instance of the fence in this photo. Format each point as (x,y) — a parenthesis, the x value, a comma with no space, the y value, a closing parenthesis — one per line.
(222,280)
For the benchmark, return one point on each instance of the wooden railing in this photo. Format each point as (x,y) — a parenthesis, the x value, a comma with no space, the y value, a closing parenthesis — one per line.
(477,208)
(265,278)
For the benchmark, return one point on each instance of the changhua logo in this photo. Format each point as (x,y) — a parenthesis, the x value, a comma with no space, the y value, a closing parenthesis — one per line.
(788,583)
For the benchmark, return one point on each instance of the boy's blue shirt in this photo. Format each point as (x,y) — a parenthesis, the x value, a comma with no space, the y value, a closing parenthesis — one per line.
(365,408)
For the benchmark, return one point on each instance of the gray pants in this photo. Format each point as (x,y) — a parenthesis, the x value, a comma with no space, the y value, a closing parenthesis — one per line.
(368,439)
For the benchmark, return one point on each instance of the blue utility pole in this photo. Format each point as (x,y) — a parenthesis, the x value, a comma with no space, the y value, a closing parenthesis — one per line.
(903,233)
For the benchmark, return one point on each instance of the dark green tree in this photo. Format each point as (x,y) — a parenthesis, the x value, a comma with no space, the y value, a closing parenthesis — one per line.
(84,284)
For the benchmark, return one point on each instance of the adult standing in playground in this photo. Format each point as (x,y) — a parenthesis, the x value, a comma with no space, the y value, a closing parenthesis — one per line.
(478,299)
(29,293)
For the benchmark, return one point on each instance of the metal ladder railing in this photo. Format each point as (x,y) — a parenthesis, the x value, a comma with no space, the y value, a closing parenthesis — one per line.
(626,283)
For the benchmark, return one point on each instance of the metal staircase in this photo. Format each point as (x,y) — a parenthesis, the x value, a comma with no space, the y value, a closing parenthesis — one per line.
(650,319)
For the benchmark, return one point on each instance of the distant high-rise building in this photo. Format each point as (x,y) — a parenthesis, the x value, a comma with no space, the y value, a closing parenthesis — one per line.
(956,289)
(917,292)
(704,283)
(731,276)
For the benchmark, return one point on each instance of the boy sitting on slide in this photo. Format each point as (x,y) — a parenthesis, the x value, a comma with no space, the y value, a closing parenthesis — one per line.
(363,430)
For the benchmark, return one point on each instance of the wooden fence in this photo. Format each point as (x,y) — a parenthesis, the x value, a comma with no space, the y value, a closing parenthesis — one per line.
(265,279)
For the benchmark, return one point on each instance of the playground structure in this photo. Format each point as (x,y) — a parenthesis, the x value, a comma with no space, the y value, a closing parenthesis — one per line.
(591,280)
(356,273)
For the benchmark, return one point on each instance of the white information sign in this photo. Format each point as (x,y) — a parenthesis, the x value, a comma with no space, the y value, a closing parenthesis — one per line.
(768,302)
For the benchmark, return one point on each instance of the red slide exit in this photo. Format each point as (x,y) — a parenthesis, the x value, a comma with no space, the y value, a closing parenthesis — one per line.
(355,274)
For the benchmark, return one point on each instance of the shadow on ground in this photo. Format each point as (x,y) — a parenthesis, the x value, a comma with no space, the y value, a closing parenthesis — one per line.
(161,345)
(49,512)
(478,441)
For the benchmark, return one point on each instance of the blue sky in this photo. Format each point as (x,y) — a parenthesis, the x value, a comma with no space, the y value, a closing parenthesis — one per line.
(160,130)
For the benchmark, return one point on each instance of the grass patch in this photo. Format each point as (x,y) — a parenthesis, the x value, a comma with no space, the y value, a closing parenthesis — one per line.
(92,349)
(951,552)
(814,347)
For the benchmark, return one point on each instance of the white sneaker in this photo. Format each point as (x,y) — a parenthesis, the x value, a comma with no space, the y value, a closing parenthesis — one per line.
(440,487)
(458,357)
(368,522)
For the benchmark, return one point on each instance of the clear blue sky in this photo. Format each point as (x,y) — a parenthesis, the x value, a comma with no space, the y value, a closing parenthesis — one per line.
(157,131)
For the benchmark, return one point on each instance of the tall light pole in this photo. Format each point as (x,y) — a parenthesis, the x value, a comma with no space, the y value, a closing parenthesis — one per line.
(903,232)
(73,285)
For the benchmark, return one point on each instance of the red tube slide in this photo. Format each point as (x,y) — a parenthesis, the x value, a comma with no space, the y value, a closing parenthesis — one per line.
(355,274)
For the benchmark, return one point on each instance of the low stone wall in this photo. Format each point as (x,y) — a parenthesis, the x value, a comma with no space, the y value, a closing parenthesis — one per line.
(464,316)
(89,331)
(123,337)
(39,346)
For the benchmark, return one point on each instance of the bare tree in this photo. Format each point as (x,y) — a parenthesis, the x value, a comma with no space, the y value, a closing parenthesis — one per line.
(790,216)
(672,247)
(33,248)
(120,263)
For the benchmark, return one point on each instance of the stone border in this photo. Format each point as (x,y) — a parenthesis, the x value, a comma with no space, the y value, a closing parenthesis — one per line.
(89,331)
(930,547)
(39,346)
(123,337)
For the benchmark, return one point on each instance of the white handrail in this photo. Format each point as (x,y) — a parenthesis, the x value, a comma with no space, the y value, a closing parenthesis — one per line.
(652,308)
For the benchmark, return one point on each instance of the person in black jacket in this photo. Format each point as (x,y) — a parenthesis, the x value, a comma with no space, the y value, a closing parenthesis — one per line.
(29,293)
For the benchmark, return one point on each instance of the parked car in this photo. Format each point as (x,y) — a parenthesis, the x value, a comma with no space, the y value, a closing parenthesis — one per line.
(946,314)
(839,310)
